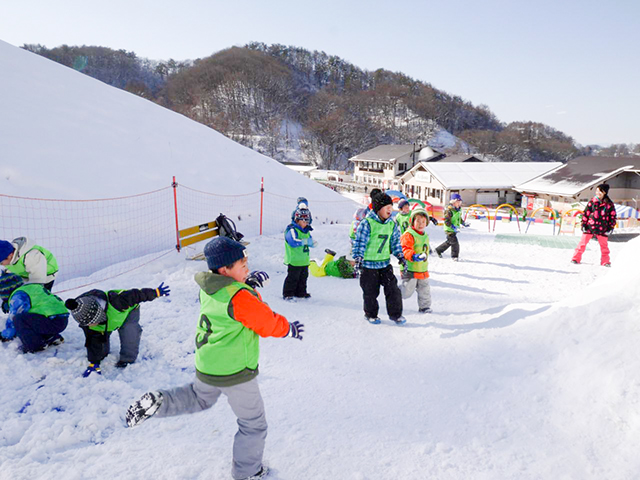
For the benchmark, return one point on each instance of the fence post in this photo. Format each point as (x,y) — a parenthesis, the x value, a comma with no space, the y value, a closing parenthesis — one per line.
(175,206)
(261,201)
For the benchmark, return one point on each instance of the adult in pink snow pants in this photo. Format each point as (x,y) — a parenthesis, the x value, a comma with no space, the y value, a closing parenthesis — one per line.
(598,220)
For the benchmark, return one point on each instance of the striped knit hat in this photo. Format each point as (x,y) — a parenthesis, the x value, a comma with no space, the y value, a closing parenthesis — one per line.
(9,282)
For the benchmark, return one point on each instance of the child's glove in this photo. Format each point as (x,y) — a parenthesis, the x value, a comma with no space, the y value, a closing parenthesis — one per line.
(163,291)
(434,221)
(5,307)
(93,367)
(9,332)
(455,229)
(419,257)
(466,225)
(295,330)
(357,268)
(403,262)
(257,279)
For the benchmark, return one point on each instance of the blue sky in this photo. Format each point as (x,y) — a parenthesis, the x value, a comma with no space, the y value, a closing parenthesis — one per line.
(572,64)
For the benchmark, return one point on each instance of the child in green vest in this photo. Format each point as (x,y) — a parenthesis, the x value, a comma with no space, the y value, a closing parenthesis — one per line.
(415,248)
(298,240)
(232,318)
(100,313)
(33,263)
(403,217)
(36,316)
(377,238)
(341,268)
(452,223)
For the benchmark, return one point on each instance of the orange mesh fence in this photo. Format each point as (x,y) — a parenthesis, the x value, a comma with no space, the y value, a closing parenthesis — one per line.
(118,235)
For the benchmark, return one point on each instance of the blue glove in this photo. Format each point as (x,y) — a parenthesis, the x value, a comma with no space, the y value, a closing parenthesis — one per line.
(295,330)
(9,332)
(465,224)
(93,367)
(5,307)
(163,291)
(419,257)
(455,229)
(257,279)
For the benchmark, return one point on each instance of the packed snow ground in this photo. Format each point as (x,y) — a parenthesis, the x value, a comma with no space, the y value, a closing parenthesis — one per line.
(527,369)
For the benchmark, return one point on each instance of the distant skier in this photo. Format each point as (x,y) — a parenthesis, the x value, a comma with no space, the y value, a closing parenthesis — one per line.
(377,238)
(452,223)
(598,220)
(100,313)
(232,318)
(35,264)
(36,316)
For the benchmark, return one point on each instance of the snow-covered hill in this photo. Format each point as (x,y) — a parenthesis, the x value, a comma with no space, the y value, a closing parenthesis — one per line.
(65,135)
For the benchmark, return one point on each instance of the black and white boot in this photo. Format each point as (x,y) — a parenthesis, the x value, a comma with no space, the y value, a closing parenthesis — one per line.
(147,406)
(264,471)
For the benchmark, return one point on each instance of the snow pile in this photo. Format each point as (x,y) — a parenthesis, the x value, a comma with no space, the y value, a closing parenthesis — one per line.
(526,369)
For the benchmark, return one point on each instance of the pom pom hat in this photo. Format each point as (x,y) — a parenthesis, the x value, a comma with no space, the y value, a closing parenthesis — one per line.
(86,310)
(8,283)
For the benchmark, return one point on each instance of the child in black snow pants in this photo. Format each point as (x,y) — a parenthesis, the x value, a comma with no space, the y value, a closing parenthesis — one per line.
(99,313)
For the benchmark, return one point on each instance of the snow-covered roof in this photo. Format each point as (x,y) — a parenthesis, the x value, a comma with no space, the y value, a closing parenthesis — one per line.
(579,174)
(484,175)
(302,168)
(390,153)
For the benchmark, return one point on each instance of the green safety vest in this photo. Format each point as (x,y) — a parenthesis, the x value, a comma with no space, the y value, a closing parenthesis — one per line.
(43,302)
(420,245)
(379,245)
(115,317)
(456,218)
(224,346)
(19,269)
(297,256)
(403,220)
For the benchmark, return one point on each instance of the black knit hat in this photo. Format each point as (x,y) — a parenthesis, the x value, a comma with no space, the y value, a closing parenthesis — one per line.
(9,282)
(604,187)
(302,214)
(223,251)
(380,200)
(86,310)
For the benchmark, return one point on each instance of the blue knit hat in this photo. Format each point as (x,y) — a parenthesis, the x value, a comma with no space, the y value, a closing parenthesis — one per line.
(455,196)
(8,283)
(6,249)
(223,251)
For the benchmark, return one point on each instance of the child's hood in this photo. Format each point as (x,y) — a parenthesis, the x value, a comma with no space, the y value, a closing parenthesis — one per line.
(211,282)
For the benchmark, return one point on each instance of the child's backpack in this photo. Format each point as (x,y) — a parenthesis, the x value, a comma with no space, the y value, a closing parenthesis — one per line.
(226,228)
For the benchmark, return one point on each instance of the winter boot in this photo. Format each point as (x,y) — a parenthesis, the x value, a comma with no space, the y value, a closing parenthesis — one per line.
(262,473)
(122,364)
(372,320)
(399,321)
(425,310)
(438,253)
(144,408)
(329,252)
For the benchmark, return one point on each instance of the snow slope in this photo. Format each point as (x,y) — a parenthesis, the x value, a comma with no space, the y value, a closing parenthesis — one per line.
(527,369)
(65,135)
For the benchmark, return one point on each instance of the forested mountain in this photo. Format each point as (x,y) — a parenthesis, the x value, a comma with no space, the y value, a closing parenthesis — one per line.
(293,104)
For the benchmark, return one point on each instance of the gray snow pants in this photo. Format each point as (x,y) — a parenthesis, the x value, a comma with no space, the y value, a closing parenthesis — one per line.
(98,344)
(421,285)
(245,401)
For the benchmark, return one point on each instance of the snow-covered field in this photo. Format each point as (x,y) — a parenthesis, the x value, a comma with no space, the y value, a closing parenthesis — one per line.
(527,369)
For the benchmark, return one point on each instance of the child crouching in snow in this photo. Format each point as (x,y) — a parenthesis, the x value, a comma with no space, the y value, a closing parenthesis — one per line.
(99,313)
(232,318)
(415,248)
